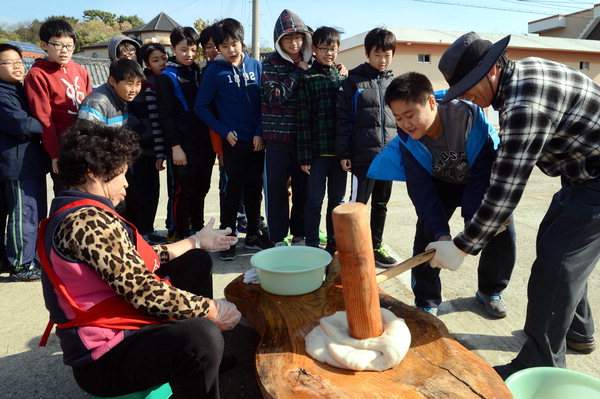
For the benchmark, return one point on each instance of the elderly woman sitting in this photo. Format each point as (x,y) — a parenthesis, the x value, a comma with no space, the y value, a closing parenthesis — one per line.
(121,327)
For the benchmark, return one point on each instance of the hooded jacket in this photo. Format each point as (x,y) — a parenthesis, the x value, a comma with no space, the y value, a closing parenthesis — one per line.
(365,124)
(21,153)
(177,89)
(279,86)
(114,42)
(54,93)
(235,92)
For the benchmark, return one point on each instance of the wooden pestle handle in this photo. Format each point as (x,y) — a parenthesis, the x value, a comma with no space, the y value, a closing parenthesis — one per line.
(405,266)
(357,270)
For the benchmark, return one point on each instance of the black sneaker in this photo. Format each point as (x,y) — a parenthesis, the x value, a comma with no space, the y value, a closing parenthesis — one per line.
(383,258)
(331,246)
(228,254)
(257,241)
(28,272)
(584,347)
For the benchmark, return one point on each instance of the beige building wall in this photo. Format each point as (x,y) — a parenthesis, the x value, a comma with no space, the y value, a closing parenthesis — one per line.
(576,22)
(158,37)
(406,59)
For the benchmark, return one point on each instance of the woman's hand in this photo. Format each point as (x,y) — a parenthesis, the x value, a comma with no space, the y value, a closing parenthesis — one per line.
(213,240)
(224,314)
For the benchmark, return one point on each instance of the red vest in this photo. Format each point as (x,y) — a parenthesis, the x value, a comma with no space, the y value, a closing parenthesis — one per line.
(113,312)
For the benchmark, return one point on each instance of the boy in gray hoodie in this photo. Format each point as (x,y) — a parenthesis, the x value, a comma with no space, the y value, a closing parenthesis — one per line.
(280,78)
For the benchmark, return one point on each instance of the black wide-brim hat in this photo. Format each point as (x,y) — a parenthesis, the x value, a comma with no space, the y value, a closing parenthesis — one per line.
(467,61)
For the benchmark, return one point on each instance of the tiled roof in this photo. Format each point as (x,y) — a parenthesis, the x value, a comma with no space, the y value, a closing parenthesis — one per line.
(28,49)
(162,23)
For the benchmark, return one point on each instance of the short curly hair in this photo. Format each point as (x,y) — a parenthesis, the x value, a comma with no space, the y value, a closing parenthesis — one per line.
(88,147)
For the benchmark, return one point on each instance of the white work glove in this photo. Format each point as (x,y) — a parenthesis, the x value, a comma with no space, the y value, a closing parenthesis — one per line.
(227,314)
(447,255)
(213,240)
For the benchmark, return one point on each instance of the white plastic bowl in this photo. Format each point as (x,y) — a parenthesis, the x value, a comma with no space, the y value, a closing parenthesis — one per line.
(294,270)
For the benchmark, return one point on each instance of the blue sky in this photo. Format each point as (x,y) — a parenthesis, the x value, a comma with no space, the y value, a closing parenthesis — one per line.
(352,16)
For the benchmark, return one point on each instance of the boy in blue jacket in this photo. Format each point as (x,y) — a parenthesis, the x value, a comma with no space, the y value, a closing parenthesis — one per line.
(232,84)
(444,152)
(23,168)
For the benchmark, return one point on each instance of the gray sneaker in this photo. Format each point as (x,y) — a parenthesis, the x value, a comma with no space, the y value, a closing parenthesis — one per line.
(494,304)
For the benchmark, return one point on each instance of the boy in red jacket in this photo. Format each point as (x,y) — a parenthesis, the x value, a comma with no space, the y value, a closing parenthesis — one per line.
(55,86)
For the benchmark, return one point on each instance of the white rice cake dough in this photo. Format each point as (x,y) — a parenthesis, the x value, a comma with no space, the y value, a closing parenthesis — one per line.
(330,342)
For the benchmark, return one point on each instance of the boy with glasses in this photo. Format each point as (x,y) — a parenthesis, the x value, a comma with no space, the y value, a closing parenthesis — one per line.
(55,86)
(23,168)
(316,135)
(281,74)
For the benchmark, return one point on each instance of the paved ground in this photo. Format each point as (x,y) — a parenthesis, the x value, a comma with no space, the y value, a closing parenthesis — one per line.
(30,372)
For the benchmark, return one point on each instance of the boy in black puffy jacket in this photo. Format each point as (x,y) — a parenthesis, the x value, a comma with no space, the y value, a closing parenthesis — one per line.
(364,126)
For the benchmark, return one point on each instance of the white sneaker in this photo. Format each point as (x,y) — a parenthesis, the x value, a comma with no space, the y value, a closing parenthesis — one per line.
(298,241)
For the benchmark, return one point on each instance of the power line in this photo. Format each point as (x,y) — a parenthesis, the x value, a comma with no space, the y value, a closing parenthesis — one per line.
(484,7)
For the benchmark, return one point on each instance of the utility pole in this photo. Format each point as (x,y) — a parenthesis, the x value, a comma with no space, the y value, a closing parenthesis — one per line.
(255,29)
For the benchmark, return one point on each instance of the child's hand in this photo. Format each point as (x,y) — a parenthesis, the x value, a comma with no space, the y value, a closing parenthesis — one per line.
(159,164)
(55,165)
(303,64)
(258,143)
(232,138)
(346,165)
(342,69)
(305,169)
(179,157)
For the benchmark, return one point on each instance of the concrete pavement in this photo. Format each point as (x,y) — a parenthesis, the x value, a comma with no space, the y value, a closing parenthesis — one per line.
(30,372)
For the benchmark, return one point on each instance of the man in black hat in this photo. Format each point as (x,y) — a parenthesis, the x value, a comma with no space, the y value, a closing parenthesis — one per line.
(549,117)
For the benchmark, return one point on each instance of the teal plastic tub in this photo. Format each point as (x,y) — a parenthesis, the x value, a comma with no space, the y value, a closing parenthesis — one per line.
(294,270)
(553,383)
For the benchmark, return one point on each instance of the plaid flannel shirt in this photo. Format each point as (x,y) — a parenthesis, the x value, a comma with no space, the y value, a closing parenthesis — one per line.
(549,116)
(316,113)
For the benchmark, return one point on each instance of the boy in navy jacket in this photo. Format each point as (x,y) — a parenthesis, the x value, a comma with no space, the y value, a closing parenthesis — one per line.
(444,152)
(232,84)
(190,157)
(23,167)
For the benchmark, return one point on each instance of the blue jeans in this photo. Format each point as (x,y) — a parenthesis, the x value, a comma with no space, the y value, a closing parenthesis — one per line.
(567,251)
(325,172)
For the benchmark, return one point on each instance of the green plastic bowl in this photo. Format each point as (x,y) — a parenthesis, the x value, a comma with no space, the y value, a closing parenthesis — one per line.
(553,383)
(294,270)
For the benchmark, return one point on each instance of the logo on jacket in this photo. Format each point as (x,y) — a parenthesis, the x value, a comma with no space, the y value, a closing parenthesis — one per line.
(74,93)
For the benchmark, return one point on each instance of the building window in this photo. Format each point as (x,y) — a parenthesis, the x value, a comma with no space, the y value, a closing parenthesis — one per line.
(424,58)
(584,65)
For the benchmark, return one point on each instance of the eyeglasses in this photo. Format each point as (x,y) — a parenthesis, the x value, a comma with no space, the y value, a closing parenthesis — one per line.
(13,64)
(60,46)
(294,37)
(326,50)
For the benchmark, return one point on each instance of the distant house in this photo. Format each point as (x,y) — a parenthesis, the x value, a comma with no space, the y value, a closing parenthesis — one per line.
(582,24)
(420,50)
(157,31)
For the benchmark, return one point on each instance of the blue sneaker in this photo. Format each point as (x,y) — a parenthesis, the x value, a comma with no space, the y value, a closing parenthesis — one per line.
(433,311)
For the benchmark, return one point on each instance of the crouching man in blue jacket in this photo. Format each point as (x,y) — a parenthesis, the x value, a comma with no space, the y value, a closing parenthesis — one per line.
(445,153)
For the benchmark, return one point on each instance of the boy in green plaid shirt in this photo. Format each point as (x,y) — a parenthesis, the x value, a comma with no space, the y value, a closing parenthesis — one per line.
(316,135)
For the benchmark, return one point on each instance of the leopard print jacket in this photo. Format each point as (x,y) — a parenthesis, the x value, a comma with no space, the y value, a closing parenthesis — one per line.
(97,238)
